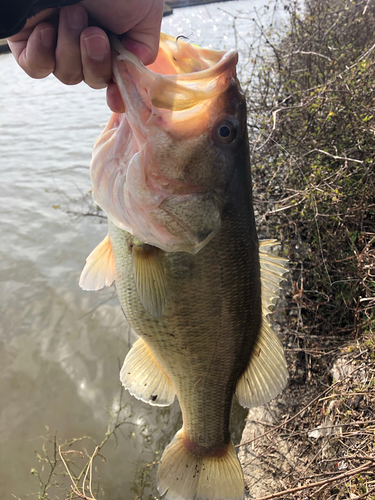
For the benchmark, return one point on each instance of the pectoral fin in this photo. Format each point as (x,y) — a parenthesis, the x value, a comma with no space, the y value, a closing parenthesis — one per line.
(144,378)
(99,270)
(149,278)
(266,374)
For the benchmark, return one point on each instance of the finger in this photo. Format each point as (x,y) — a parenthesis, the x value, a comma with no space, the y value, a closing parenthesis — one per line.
(45,15)
(72,21)
(96,57)
(140,20)
(145,53)
(114,100)
(34,49)
(143,39)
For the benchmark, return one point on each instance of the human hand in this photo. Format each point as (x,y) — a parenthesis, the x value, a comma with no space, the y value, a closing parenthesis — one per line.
(60,41)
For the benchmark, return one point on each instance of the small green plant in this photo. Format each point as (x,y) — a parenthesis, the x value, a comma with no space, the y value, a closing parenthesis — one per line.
(67,467)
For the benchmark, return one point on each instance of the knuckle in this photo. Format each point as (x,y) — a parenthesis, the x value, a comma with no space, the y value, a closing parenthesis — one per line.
(96,79)
(70,79)
(97,84)
(38,73)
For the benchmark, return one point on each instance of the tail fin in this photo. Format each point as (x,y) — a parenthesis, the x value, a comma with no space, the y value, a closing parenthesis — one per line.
(185,476)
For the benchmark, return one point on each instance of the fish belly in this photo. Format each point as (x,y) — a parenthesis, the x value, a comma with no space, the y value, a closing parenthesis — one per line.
(204,337)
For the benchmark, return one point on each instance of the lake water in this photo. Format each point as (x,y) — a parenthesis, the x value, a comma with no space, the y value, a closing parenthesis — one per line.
(61,347)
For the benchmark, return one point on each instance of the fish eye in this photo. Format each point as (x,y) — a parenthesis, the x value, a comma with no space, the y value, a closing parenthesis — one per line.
(226,132)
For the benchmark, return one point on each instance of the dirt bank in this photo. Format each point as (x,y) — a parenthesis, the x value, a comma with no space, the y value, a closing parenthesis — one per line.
(316,440)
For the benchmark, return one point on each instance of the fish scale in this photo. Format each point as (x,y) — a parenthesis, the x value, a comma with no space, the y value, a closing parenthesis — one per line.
(173,176)
(202,314)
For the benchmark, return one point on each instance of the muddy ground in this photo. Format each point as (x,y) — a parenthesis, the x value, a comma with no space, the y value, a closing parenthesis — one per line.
(316,440)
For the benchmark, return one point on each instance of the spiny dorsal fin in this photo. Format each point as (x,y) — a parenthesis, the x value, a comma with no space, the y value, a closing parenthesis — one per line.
(142,375)
(99,270)
(272,271)
(266,374)
(149,278)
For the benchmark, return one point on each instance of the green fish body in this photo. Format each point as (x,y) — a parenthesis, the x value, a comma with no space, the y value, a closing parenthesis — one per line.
(192,279)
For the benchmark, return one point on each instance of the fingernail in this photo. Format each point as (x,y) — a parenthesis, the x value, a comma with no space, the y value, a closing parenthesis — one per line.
(76,16)
(97,47)
(47,37)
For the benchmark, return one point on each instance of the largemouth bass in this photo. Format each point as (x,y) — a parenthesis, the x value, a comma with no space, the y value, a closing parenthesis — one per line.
(173,175)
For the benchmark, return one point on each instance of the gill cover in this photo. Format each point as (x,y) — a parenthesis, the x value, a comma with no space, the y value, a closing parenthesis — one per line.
(142,168)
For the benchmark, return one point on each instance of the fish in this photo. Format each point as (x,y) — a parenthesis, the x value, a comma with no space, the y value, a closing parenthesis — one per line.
(173,175)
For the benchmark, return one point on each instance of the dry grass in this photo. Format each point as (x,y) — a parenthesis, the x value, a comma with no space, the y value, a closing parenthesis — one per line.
(318,439)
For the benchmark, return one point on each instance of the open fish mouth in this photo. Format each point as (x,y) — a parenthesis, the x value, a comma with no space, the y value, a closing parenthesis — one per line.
(182,76)
(161,151)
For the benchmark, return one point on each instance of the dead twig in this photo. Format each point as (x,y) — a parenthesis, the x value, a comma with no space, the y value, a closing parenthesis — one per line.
(353,472)
(303,409)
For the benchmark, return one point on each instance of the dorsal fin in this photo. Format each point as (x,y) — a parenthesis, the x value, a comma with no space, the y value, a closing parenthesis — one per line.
(266,373)
(272,271)
(149,278)
(99,270)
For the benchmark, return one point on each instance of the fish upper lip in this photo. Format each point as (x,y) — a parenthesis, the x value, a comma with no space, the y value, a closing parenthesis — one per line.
(160,89)
(222,65)
(226,59)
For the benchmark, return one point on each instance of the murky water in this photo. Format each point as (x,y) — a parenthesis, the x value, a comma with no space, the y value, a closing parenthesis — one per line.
(60,347)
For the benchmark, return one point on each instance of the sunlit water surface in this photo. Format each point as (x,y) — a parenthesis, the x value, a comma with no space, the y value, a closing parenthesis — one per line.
(61,347)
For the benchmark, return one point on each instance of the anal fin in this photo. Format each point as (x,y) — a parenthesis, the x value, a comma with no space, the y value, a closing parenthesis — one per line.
(99,270)
(144,378)
(266,374)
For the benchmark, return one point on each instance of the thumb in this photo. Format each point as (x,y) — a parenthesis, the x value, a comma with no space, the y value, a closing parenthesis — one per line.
(143,39)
